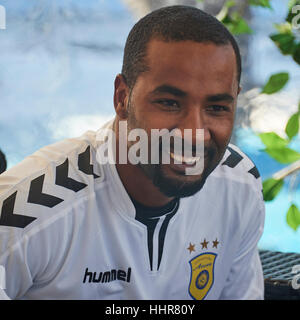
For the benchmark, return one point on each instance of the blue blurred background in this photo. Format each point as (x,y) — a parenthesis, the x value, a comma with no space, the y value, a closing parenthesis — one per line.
(58,61)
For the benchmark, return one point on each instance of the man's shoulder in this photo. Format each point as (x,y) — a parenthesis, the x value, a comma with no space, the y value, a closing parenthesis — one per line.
(48,181)
(237,166)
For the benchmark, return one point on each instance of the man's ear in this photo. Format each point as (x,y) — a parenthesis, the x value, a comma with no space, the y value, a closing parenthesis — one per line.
(239,90)
(121,96)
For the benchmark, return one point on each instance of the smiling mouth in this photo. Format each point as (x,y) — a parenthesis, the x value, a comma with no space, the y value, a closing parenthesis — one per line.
(183,160)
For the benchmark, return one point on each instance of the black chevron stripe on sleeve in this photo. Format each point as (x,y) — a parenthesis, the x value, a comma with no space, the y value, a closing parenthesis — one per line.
(63,180)
(84,165)
(9,218)
(233,159)
(36,195)
(254,172)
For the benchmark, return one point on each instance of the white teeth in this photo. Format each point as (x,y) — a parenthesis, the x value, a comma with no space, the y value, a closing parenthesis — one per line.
(187,160)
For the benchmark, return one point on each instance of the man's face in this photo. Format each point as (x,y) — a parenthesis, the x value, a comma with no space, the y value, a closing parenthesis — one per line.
(189,85)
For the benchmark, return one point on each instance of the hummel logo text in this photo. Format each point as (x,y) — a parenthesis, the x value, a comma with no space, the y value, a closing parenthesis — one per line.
(107,276)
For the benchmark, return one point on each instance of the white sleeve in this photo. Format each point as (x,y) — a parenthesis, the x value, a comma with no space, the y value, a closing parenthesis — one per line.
(3,295)
(245,280)
(14,264)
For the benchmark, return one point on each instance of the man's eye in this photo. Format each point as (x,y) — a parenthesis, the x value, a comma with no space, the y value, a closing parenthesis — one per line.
(168,103)
(218,108)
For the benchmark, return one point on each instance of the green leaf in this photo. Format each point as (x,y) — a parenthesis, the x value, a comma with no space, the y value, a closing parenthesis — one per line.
(285,42)
(293,217)
(276,82)
(236,24)
(292,3)
(229,4)
(296,53)
(283,154)
(291,15)
(271,188)
(284,28)
(261,3)
(292,126)
(272,140)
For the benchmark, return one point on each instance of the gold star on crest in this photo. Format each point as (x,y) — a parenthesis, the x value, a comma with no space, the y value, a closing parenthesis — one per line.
(215,243)
(191,248)
(204,244)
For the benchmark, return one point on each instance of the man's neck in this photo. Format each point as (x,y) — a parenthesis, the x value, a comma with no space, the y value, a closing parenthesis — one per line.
(140,187)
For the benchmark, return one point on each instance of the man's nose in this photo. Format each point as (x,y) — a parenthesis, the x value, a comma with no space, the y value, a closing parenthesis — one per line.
(193,120)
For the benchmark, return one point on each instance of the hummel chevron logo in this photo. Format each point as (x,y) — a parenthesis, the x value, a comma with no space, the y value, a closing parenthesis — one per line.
(8,218)
(63,180)
(254,172)
(235,158)
(84,163)
(37,196)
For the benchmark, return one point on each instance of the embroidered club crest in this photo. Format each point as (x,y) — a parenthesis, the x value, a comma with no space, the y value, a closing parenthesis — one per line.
(202,275)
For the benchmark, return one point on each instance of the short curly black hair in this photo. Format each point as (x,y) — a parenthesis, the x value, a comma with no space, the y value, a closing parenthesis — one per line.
(172,23)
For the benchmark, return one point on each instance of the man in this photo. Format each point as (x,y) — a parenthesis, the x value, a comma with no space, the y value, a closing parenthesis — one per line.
(75,227)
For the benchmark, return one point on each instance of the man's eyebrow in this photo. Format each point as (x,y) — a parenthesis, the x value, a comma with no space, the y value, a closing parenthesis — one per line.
(220,97)
(165,88)
(169,89)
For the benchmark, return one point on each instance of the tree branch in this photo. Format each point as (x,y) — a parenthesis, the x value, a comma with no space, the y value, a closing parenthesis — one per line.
(281,174)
